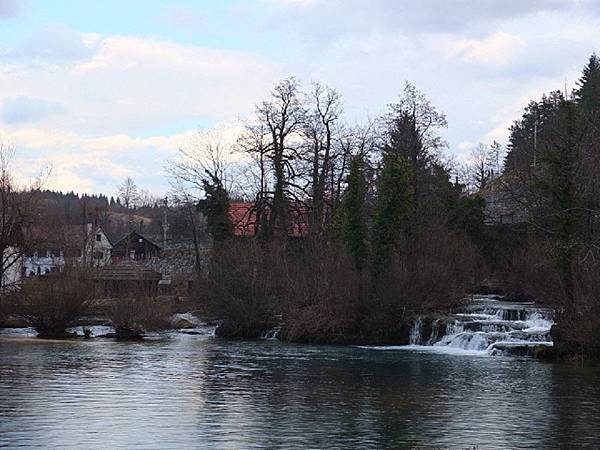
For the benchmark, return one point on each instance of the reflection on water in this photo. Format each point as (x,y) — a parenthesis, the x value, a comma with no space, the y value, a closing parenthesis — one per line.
(199,391)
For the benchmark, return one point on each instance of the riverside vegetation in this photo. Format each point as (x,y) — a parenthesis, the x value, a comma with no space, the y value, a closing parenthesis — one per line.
(357,230)
(402,239)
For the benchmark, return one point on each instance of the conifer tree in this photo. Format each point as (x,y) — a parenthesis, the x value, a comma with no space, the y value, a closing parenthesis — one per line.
(588,93)
(354,224)
(394,197)
(560,189)
(216,209)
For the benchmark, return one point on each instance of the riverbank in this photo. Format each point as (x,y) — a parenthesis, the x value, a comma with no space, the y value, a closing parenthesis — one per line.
(485,324)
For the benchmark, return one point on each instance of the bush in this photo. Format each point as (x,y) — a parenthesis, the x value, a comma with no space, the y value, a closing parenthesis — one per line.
(318,295)
(241,288)
(132,317)
(577,315)
(52,303)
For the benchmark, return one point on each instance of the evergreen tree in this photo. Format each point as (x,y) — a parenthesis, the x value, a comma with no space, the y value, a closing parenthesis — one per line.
(529,134)
(354,221)
(560,188)
(394,198)
(215,207)
(588,92)
(412,127)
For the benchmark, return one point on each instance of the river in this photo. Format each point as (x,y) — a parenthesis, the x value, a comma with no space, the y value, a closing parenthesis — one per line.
(198,391)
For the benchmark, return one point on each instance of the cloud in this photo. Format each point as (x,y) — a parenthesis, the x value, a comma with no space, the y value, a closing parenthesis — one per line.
(314,18)
(10,8)
(105,106)
(16,110)
(97,163)
(84,100)
(53,45)
(125,84)
(497,49)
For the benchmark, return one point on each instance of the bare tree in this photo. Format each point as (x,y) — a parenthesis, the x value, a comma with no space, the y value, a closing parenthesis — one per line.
(480,168)
(128,192)
(204,160)
(18,207)
(257,183)
(320,129)
(282,117)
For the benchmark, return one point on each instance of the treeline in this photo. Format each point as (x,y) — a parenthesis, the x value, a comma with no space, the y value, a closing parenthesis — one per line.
(392,230)
(57,212)
(552,170)
(387,233)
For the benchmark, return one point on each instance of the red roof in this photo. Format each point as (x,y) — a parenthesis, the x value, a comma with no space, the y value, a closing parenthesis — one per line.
(243,216)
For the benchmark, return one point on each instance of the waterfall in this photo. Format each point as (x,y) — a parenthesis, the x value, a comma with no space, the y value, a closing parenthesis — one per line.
(416,331)
(272,334)
(487,326)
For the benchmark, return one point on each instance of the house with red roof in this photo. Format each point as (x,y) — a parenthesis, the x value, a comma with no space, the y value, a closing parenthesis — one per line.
(244,218)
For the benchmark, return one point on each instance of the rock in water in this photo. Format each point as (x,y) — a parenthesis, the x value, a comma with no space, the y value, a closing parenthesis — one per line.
(183,324)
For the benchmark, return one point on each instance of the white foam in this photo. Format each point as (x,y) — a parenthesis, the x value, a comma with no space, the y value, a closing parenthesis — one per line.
(444,350)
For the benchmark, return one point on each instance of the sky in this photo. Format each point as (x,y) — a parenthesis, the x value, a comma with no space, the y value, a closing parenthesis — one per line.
(107,89)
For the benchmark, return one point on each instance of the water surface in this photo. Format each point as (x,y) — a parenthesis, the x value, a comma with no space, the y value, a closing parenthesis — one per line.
(204,392)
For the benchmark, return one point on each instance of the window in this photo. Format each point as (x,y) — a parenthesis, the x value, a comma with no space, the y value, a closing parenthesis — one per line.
(98,237)
(99,255)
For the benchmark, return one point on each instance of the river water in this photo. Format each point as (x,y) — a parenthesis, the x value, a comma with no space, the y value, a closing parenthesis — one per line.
(184,391)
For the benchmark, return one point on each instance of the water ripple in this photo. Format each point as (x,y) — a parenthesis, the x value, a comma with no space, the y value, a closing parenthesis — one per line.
(203,392)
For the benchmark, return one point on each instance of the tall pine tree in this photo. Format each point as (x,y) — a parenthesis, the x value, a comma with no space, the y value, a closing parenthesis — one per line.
(354,221)
(216,209)
(394,199)
(588,92)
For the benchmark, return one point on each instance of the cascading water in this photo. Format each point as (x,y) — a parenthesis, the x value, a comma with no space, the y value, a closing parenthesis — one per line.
(487,326)
(272,334)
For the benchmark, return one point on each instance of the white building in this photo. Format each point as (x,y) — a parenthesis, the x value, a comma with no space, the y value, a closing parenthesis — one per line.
(96,247)
(42,264)
(85,247)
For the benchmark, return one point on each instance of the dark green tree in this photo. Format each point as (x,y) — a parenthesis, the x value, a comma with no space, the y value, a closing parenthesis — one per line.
(394,200)
(354,230)
(588,92)
(467,214)
(215,207)
(412,128)
(560,188)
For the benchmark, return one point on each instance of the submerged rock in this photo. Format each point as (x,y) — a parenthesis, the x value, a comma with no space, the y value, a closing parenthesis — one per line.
(183,324)
(13,322)
(544,353)
(129,333)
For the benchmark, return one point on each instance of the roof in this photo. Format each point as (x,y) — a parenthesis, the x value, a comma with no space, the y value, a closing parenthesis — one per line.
(134,234)
(127,271)
(243,217)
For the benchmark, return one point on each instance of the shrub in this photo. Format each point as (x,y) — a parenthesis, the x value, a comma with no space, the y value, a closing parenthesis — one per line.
(52,303)
(577,315)
(319,295)
(134,316)
(241,288)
